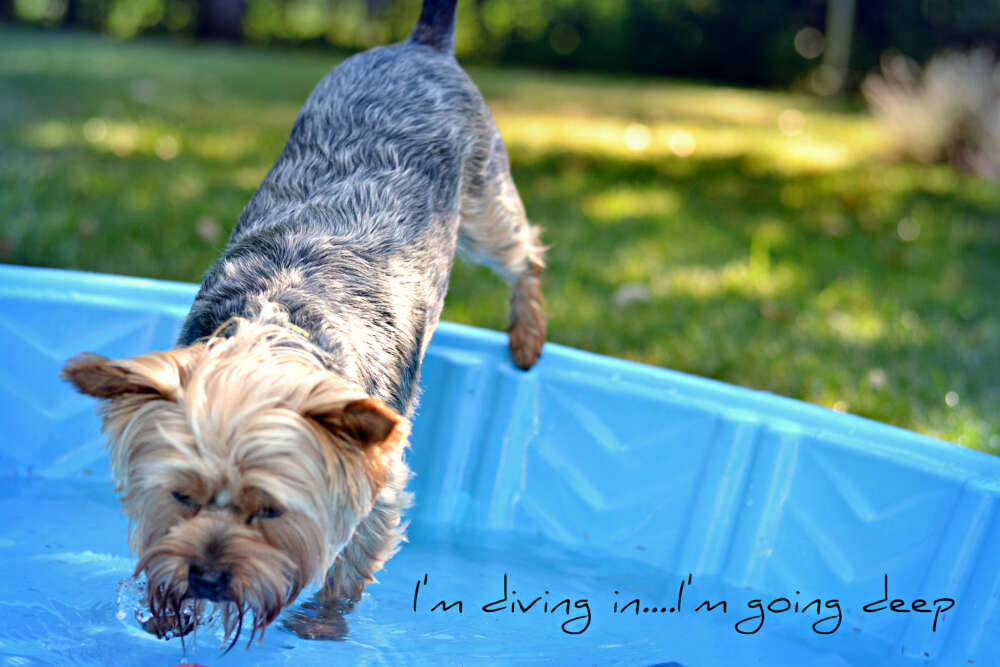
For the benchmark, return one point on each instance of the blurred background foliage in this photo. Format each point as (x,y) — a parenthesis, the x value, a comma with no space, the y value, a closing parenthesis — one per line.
(776,239)
(764,42)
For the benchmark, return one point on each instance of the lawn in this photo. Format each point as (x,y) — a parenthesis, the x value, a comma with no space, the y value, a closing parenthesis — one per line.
(754,237)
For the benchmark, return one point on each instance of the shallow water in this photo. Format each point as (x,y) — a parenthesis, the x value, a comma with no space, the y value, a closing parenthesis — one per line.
(64,546)
(659,469)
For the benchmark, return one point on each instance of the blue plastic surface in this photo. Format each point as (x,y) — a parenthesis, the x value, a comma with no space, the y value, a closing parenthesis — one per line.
(587,479)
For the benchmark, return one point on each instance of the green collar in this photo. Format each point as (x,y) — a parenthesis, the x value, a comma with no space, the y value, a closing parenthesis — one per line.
(294,328)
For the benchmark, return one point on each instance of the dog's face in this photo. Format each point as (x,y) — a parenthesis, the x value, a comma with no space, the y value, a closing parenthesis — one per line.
(244,467)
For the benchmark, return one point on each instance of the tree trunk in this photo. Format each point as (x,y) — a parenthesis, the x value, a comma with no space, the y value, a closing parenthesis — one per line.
(72,15)
(839,26)
(375,7)
(220,19)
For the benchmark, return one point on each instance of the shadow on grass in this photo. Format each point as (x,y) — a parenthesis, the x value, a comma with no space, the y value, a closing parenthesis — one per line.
(872,288)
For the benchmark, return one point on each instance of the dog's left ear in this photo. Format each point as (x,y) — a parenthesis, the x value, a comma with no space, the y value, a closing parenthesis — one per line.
(156,374)
(367,422)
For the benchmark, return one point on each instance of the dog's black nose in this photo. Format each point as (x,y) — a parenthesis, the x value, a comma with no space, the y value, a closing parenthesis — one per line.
(208,583)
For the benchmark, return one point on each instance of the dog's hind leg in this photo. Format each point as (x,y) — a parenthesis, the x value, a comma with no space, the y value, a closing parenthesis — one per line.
(495,231)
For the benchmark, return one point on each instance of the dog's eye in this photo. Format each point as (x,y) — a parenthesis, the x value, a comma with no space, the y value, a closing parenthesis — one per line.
(268,513)
(183,499)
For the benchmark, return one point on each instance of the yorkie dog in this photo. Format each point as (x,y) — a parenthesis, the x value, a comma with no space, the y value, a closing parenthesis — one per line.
(265,452)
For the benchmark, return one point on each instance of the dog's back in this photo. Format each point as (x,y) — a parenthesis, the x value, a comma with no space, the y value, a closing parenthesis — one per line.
(354,229)
(377,152)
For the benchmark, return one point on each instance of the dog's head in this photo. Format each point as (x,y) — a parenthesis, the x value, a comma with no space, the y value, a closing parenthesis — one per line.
(244,467)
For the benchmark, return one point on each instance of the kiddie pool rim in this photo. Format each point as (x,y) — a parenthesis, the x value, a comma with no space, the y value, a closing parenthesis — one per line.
(874,438)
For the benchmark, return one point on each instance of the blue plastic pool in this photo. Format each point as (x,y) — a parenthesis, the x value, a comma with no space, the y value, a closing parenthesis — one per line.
(619,504)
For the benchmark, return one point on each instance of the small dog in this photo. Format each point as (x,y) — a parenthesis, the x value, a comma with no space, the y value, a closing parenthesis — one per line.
(265,452)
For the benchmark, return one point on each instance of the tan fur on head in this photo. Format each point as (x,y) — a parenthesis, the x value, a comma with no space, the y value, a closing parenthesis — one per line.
(242,453)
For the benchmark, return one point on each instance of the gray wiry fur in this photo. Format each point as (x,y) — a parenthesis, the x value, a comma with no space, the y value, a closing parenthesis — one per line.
(353,231)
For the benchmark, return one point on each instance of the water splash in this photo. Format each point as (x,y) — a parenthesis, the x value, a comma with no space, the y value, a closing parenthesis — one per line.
(131,600)
(131,593)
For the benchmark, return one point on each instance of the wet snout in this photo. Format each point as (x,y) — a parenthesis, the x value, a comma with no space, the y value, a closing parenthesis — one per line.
(209,582)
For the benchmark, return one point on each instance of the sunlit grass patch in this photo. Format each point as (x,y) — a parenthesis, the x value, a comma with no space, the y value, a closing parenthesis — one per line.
(627,139)
(625,202)
(739,277)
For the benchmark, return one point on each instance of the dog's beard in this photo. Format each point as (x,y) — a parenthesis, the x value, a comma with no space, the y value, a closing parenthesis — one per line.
(262,579)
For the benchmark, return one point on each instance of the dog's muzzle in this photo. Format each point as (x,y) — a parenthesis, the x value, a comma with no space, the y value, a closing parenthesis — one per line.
(207,583)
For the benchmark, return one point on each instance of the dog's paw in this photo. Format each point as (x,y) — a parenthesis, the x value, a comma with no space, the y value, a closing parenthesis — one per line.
(319,620)
(526,341)
(167,627)
(527,320)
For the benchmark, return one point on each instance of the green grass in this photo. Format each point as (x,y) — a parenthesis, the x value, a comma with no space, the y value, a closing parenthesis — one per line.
(792,261)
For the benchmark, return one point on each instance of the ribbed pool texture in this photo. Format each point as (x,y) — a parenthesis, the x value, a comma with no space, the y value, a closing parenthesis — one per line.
(589,511)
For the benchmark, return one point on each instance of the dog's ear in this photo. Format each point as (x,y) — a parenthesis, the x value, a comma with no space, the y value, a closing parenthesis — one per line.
(104,378)
(366,422)
(157,374)
(374,428)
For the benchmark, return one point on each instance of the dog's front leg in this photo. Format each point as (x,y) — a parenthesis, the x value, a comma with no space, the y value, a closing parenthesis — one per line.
(375,540)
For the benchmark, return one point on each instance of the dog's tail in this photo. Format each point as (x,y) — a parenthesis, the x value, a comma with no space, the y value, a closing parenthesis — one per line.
(436,27)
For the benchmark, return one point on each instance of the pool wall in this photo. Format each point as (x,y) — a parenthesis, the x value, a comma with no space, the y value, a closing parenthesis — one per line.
(670,471)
